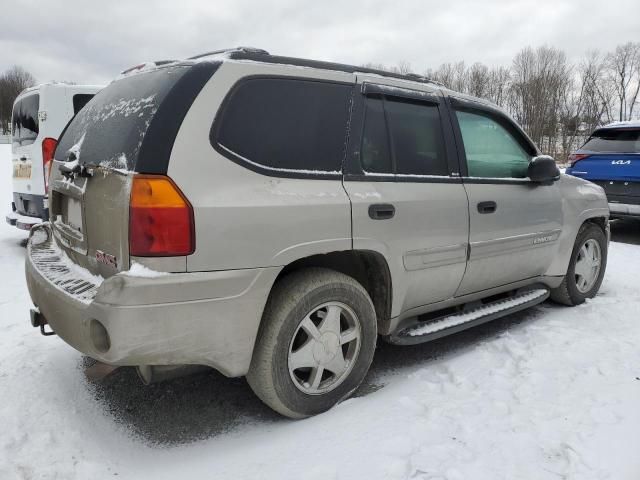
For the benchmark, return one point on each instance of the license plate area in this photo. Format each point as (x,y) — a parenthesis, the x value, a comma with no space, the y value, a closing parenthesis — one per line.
(68,220)
(72,213)
(21,170)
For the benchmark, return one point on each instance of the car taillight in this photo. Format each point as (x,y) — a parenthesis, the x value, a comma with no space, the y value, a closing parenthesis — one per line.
(48,149)
(575,158)
(160,218)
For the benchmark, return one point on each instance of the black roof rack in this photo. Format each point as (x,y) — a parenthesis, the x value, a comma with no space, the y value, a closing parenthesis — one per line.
(230,50)
(259,55)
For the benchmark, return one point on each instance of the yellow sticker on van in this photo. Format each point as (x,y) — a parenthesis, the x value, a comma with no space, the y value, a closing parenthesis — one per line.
(21,170)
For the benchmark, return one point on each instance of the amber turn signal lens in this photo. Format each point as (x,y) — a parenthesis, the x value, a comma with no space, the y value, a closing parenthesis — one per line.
(160,218)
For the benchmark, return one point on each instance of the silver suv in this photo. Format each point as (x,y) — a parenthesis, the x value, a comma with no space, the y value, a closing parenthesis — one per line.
(272,217)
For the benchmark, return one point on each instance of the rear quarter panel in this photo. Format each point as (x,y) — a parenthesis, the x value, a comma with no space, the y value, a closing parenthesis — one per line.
(244,219)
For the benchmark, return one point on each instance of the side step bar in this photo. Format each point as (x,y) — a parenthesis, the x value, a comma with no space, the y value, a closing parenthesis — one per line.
(425,331)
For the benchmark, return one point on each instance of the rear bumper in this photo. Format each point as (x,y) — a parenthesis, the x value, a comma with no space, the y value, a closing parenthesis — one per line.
(31,206)
(624,210)
(22,222)
(204,318)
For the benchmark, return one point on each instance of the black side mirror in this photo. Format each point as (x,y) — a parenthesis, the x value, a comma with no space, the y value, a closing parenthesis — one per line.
(543,169)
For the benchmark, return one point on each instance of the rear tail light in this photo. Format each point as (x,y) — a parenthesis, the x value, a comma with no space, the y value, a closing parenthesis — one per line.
(575,158)
(160,218)
(48,149)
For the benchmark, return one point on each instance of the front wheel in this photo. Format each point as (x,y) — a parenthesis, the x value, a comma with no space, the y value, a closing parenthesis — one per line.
(586,267)
(315,344)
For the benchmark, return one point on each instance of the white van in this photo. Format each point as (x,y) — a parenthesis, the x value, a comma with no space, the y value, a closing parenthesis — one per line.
(39,115)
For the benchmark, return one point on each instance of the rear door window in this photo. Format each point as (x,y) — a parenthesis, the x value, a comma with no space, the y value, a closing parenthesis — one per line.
(403,138)
(614,140)
(416,137)
(24,122)
(280,125)
(375,151)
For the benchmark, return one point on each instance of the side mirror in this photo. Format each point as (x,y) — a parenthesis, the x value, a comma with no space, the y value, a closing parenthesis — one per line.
(543,169)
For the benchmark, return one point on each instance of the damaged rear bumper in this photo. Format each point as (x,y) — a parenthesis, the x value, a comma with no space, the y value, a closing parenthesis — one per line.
(200,318)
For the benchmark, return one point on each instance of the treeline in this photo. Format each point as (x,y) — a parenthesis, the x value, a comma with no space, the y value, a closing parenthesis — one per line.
(557,102)
(12,82)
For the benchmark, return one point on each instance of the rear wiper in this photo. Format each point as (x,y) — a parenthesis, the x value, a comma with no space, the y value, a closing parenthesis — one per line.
(73,168)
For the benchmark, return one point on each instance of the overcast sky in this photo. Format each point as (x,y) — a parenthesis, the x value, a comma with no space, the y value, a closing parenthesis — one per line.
(86,43)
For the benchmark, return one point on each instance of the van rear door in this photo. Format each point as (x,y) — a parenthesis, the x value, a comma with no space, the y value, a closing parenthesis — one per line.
(25,148)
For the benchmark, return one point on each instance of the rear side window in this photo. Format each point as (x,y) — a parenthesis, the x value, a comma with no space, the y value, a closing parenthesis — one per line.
(24,121)
(286,124)
(491,150)
(614,140)
(80,100)
(110,129)
(402,137)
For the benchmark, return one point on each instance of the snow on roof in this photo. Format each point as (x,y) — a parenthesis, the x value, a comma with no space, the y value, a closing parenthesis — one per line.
(623,124)
(55,84)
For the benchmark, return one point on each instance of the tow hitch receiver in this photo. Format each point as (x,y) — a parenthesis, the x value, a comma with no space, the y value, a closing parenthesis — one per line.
(38,320)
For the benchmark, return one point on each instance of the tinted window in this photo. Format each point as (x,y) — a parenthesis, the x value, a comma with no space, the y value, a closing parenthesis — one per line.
(287,124)
(24,121)
(492,151)
(80,100)
(110,129)
(416,137)
(374,152)
(616,140)
(415,133)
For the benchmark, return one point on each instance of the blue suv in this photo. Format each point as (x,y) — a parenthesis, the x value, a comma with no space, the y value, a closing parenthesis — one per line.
(611,159)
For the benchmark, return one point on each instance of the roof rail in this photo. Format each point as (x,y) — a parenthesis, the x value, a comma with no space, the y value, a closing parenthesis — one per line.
(260,55)
(231,50)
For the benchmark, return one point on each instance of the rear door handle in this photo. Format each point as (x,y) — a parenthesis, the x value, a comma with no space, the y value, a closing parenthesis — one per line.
(381,211)
(487,207)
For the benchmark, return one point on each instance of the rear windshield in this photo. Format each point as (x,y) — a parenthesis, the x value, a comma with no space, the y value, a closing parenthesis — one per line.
(616,140)
(109,130)
(24,122)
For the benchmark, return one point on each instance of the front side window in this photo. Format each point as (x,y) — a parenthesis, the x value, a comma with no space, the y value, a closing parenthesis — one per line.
(24,122)
(491,150)
(402,137)
(286,124)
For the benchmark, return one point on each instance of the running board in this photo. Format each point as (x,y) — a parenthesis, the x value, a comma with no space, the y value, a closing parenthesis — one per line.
(425,331)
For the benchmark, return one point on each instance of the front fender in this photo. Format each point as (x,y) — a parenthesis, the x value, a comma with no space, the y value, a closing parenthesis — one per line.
(581,201)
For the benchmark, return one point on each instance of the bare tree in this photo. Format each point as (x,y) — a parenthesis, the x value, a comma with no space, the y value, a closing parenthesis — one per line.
(12,82)
(403,67)
(539,79)
(499,83)
(624,73)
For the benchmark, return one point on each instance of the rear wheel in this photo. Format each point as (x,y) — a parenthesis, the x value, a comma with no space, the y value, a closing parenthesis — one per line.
(315,344)
(586,267)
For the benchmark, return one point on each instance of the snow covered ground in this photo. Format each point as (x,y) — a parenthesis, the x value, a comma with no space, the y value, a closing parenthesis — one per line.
(547,394)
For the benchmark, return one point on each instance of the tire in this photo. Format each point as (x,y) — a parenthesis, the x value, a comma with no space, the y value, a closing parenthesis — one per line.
(283,342)
(569,292)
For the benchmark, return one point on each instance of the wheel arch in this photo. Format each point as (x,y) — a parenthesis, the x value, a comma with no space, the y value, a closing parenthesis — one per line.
(560,263)
(368,267)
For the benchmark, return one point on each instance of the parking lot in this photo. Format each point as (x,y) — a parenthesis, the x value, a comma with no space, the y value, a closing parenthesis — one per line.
(548,393)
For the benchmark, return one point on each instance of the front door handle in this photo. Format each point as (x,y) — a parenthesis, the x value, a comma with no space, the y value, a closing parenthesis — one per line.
(487,207)
(381,211)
